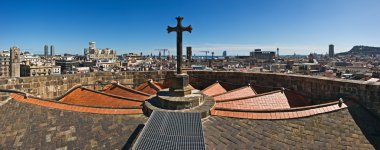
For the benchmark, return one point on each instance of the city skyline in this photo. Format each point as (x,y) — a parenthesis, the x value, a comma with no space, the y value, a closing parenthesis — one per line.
(294,27)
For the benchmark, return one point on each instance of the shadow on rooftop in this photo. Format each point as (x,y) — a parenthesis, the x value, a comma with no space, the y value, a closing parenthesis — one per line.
(368,123)
(133,137)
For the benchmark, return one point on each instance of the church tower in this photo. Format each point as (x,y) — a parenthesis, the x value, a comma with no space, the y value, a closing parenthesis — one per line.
(14,69)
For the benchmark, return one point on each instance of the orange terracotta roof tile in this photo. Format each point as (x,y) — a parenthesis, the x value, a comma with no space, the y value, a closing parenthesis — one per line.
(214,89)
(70,107)
(123,91)
(288,113)
(272,100)
(151,87)
(87,97)
(237,93)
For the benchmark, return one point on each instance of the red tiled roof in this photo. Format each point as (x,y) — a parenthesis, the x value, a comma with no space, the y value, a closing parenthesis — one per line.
(150,87)
(123,91)
(237,93)
(87,97)
(70,107)
(280,113)
(214,89)
(270,100)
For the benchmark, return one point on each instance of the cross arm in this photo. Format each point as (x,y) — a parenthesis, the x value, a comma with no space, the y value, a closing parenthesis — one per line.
(171,29)
(188,28)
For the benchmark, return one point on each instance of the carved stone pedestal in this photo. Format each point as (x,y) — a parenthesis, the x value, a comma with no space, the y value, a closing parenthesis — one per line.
(179,86)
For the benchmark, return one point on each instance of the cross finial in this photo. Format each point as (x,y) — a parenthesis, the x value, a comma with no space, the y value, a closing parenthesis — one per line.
(179,29)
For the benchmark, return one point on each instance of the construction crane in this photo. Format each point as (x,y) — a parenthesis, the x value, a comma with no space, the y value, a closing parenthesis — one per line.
(206,52)
(163,50)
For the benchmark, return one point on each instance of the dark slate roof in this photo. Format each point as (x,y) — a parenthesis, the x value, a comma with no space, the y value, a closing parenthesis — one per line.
(334,130)
(26,126)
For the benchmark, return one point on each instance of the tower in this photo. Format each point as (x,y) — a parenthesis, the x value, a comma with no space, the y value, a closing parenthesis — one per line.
(46,50)
(14,69)
(52,50)
(92,45)
(188,53)
(224,53)
(331,51)
(278,53)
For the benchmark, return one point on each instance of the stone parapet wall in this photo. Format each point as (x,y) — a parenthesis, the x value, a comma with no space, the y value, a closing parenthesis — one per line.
(54,86)
(318,88)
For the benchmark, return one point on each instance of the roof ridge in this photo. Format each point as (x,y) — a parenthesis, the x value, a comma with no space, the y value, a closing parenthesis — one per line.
(47,100)
(130,89)
(212,86)
(252,89)
(234,90)
(112,95)
(98,92)
(278,115)
(79,108)
(67,92)
(283,109)
(253,96)
(151,82)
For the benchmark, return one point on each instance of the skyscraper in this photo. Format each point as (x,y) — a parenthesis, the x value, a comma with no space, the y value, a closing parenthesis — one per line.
(224,53)
(46,50)
(278,52)
(188,53)
(52,50)
(331,51)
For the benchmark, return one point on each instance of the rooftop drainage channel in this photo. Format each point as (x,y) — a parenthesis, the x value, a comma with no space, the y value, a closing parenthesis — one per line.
(171,130)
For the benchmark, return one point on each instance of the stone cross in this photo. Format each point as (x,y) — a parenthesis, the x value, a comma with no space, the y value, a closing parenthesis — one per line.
(179,29)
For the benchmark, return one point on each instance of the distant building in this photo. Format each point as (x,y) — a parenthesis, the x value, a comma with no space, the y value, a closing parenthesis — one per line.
(224,53)
(56,70)
(52,50)
(14,62)
(28,70)
(4,63)
(188,53)
(331,51)
(46,50)
(278,53)
(107,65)
(262,56)
(81,70)
(67,66)
(93,53)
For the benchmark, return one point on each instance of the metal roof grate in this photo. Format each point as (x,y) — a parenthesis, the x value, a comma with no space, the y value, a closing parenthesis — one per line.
(171,130)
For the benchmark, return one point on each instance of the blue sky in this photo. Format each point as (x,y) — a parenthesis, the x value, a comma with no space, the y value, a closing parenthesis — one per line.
(238,26)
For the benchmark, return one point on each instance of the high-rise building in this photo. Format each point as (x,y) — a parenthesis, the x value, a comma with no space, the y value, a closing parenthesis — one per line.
(331,51)
(14,70)
(46,50)
(188,53)
(52,50)
(224,53)
(278,52)
(92,45)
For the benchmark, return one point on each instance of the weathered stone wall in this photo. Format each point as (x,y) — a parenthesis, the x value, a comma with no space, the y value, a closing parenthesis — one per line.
(319,88)
(53,86)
